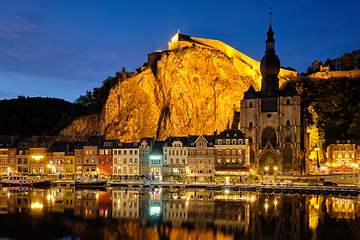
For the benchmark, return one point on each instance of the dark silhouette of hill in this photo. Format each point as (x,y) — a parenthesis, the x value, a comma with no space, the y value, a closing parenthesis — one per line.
(36,115)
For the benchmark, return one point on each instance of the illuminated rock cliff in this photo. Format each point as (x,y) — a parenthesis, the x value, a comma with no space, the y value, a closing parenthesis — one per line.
(189,90)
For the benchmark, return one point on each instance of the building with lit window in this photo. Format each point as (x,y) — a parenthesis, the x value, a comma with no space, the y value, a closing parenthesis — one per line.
(90,150)
(232,154)
(175,158)
(56,157)
(105,159)
(8,153)
(126,161)
(341,155)
(201,158)
(144,151)
(156,161)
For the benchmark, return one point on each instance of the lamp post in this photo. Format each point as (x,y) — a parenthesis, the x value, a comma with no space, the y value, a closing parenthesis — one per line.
(266,168)
(317,157)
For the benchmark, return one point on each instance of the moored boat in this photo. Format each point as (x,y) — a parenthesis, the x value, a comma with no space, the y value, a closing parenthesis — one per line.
(354,192)
(344,192)
(335,191)
(293,190)
(17,180)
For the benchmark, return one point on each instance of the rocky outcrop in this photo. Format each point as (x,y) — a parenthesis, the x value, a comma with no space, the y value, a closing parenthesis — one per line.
(193,90)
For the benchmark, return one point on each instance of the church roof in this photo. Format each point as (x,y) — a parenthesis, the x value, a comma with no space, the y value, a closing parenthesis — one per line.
(288,90)
(251,93)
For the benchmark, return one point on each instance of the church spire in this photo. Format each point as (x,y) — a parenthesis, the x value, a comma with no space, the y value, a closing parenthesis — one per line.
(270,65)
(270,41)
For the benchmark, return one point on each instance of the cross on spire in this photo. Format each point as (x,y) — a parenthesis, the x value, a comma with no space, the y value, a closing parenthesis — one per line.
(271,13)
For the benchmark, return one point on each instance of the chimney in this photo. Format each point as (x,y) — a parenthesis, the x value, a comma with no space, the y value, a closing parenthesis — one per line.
(33,139)
(12,140)
(67,147)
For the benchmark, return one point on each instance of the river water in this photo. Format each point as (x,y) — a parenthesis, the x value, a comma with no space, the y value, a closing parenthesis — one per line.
(165,213)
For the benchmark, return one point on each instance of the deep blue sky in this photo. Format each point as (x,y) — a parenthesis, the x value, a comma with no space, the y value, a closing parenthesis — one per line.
(63,48)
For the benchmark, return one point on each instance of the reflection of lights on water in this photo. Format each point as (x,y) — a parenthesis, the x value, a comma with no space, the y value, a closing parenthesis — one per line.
(266,206)
(187,203)
(275,202)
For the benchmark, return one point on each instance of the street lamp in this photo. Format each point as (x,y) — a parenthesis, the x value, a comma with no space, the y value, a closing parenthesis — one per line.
(317,157)
(266,169)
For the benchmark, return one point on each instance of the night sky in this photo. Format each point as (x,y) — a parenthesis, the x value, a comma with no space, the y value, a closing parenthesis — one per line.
(63,48)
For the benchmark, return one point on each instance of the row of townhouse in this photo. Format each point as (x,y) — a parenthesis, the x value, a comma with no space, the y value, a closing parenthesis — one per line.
(194,158)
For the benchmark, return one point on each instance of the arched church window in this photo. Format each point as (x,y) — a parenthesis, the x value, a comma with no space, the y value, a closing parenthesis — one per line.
(268,135)
(250,105)
(287,156)
(288,123)
(288,102)
(250,125)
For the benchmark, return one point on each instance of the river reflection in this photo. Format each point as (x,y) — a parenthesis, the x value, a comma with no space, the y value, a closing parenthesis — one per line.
(162,213)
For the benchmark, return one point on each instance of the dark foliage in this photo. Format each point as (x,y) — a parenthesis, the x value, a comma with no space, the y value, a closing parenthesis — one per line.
(32,116)
(337,105)
(347,61)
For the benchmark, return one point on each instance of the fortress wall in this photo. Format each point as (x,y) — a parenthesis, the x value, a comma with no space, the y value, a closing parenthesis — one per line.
(232,52)
(336,74)
(179,45)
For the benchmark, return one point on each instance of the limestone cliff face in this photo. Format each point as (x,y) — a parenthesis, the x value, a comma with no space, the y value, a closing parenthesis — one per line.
(194,90)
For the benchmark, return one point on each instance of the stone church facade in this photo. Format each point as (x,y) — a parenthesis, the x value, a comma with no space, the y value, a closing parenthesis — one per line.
(271,119)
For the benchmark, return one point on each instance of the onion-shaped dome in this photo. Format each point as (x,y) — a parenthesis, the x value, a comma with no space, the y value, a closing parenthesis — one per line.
(270,63)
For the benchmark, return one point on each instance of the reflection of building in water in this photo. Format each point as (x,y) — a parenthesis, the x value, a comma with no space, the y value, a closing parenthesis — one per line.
(175,204)
(37,202)
(342,208)
(155,205)
(125,204)
(89,203)
(232,211)
(58,199)
(104,204)
(314,209)
(4,201)
(79,204)
(69,194)
(200,208)
(143,206)
(277,217)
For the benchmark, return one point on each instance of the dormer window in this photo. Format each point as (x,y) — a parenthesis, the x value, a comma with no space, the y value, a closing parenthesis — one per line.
(227,135)
(227,141)
(288,102)
(235,134)
(234,141)
(250,105)
(219,141)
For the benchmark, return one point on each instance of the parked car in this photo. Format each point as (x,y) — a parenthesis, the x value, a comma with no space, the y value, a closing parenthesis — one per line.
(330,184)
(313,183)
